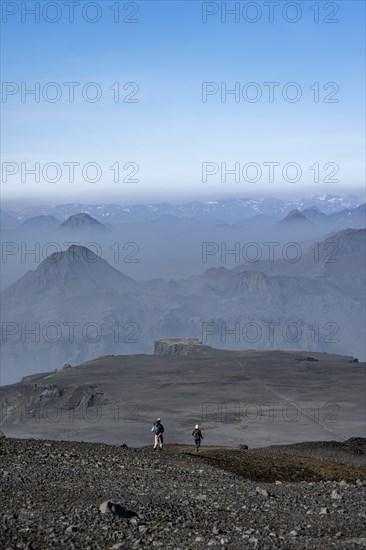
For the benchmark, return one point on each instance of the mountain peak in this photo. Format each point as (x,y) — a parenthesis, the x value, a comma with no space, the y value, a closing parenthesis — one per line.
(295,216)
(82,221)
(73,271)
(75,254)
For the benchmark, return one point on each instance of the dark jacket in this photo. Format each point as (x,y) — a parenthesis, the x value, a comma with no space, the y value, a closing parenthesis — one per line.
(197,434)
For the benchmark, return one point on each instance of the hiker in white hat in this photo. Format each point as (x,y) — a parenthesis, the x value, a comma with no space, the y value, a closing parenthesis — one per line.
(197,436)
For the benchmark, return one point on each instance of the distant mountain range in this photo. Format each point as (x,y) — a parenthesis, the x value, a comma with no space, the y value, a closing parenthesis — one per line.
(308,216)
(75,306)
(245,213)
(228,211)
(76,222)
(39,222)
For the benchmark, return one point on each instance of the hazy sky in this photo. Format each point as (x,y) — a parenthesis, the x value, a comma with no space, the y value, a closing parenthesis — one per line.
(166,124)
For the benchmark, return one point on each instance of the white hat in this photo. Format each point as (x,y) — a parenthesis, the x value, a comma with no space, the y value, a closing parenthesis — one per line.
(196,426)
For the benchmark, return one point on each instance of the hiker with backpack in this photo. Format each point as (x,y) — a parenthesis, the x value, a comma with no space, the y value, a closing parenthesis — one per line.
(158,430)
(197,436)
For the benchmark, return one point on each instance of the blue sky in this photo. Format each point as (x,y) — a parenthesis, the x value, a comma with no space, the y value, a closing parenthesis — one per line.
(170,132)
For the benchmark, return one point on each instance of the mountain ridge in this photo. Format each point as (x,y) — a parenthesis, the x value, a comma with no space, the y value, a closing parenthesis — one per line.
(218,306)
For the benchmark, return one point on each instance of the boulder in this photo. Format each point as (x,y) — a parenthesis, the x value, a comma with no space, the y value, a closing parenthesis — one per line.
(115,509)
(72,529)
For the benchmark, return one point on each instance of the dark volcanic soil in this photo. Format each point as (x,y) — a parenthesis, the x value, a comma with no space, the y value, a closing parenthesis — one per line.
(295,497)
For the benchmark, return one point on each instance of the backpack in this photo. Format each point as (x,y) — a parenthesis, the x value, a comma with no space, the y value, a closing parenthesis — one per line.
(197,435)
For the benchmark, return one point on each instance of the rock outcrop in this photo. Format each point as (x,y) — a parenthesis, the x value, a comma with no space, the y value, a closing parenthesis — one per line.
(186,346)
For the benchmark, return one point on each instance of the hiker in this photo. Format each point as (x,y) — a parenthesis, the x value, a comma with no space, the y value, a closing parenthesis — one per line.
(197,435)
(158,430)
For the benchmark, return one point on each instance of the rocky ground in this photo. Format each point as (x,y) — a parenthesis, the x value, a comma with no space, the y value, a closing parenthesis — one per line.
(286,497)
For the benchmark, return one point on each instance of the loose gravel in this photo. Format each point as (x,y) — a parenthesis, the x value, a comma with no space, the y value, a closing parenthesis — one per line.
(65,494)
